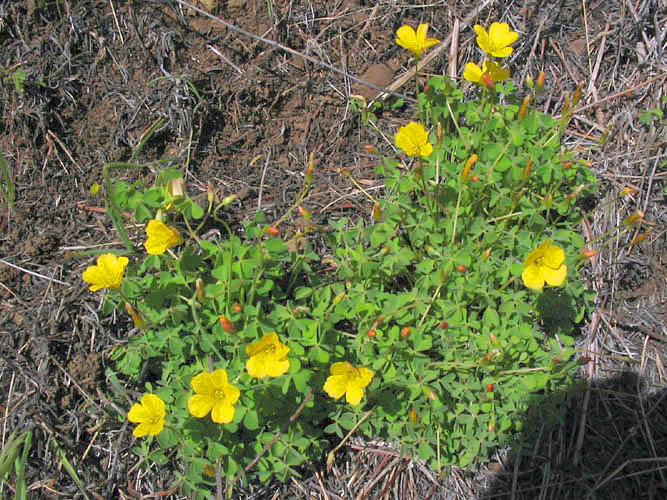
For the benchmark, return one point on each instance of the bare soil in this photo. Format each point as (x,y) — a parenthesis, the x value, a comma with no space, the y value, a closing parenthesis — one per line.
(83,80)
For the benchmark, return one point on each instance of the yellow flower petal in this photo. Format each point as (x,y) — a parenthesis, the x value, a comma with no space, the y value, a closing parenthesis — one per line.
(222,413)
(108,273)
(555,277)
(496,41)
(415,42)
(160,237)
(268,356)
(354,394)
(202,384)
(335,386)
(413,139)
(472,73)
(200,404)
(149,414)
(532,277)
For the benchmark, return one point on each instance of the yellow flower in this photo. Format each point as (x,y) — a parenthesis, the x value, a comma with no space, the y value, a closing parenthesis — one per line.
(413,139)
(161,237)
(213,393)
(149,414)
(545,263)
(268,356)
(492,69)
(496,41)
(108,273)
(415,42)
(348,380)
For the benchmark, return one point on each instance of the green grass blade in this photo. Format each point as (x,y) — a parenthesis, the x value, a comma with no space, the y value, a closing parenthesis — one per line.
(7,186)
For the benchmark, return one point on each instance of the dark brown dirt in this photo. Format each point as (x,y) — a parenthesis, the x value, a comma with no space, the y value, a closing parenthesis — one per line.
(83,80)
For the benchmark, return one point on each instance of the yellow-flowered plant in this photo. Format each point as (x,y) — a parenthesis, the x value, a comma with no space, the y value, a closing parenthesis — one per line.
(544,264)
(497,41)
(413,139)
(214,394)
(347,380)
(108,273)
(415,41)
(493,70)
(149,414)
(268,356)
(161,237)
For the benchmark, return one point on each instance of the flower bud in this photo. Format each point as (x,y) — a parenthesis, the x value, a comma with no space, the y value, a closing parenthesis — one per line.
(377,212)
(136,318)
(589,253)
(210,194)
(370,149)
(627,190)
(528,169)
(634,219)
(379,320)
(176,187)
(200,290)
(304,213)
(529,81)
(524,107)
(227,325)
(273,230)
(577,96)
(237,308)
(310,170)
(487,253)
(641,237)
(548,200)
(474,178)
(540,81)
(469,164)
(413,416)
(95,188)
(439,134)
(338,298)
(488,81)
(405,332)
(372,333)
(494,340)
(227,200)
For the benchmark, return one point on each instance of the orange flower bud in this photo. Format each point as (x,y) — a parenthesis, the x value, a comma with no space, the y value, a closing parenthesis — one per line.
(568,164)
(627,190)
(494,340)
(136,318)
(461,268)
(304,213)
(589,253)
(469,164)
(370,149)
(413,416)
(528,169)
(432,396)
(443,324)
(405,332)
(492,426)
(379,320)
(474,178)
(227,325)
(487,81)
(200,290)
(273,230)
(634,219)
(372,333)
(237,308)
(338,298)
(540,81)
(377,212)
(641,237)
(487,253)
(524,107)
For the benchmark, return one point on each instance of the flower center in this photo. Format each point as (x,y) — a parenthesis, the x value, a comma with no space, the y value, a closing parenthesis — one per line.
(155,419)
(219,394)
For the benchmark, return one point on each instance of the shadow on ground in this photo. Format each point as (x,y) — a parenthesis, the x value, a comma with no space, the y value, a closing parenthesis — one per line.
(609,442)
